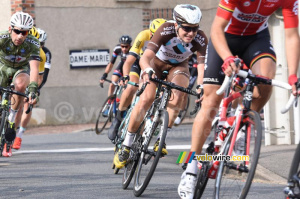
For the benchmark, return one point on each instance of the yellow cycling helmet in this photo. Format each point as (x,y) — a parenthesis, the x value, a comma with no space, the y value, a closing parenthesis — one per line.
(33,31)
(155,24)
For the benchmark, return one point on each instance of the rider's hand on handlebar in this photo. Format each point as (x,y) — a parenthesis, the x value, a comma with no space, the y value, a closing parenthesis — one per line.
(294,81)
(104,76)
(229,66)
(123,80)
(145,74)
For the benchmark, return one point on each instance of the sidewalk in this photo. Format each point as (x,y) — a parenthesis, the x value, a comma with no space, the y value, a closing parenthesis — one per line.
(274,161)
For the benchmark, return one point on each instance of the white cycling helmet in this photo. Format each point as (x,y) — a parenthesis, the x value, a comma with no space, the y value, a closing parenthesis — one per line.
(21,20)
(43,35)
(186,13)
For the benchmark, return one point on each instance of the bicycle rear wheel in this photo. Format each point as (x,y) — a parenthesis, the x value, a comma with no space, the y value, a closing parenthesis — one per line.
(105,122)
(234,178)
(149,158)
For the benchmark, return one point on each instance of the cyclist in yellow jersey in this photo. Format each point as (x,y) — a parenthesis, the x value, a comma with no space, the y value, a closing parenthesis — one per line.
(21,117)
(131,70)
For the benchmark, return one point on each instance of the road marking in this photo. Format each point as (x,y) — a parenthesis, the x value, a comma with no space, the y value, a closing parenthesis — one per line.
(78,150)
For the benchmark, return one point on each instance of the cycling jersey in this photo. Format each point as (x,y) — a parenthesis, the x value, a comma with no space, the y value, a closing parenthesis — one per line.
(248,17)
(170,49)
(118,51)
(138,48)
(42,63)
(18,56)
(140,43)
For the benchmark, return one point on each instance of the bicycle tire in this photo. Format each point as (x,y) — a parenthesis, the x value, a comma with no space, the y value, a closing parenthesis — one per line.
(2,130)
(131,165)
(295,166)
(228,181)
(140,183)
(202,179)
(184,111)
(102,121)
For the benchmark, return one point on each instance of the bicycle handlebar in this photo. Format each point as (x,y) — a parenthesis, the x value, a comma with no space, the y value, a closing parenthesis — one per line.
(171,85)
(9,90)
(263,80)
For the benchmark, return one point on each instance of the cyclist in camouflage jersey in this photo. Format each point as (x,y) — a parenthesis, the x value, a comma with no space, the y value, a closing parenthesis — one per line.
(19,63)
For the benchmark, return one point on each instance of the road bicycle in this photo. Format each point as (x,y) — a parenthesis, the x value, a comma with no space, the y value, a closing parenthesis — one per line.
(293,188)
(124,125)
(108,110)
(143,159)
(234,178)
(4,110)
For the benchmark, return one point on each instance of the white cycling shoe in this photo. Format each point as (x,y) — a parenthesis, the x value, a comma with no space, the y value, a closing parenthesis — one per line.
(186,186)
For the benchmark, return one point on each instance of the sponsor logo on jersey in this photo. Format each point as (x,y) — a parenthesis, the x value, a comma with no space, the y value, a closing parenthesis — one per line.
(4,36)
(168,32)
(13,58)
(272,1)
(269,5)
(253,18)
(138,43)
(199,39)
(247,3)
(33,42)
(207,79)
(169,28)
(295,8)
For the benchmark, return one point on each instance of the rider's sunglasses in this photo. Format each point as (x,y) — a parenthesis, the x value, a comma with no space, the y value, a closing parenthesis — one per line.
(24,33)
(124,46)
(189,29)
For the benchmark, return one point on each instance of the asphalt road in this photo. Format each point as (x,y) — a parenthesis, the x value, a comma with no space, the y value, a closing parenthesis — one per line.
(78,165)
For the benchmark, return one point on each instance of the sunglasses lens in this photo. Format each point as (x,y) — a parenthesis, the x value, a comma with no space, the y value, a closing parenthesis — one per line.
(24,33)
(124,46)
(189,29)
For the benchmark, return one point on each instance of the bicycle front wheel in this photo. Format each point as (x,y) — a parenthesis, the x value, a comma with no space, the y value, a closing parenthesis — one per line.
(149,157)
(234,177)
(105,115)
(2,130)
(202,178)
(132,161)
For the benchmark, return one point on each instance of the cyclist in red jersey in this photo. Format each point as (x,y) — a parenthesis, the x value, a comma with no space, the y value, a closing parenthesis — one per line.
(240,28)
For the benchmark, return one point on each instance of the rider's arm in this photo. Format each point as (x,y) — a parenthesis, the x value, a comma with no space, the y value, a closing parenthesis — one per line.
(292,45)
(130,59)
(146,58)
(218,37)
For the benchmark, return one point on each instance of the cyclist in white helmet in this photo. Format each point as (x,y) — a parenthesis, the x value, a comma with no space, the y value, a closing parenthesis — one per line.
(19,52)
(168,50)
(22,119)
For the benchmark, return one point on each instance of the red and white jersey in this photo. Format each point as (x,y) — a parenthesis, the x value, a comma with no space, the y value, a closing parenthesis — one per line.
(248,17)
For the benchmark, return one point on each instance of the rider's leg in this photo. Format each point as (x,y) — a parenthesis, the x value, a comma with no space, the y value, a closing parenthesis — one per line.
(20,81)
(178,99)
(262,93)
(125,101)
(128,93)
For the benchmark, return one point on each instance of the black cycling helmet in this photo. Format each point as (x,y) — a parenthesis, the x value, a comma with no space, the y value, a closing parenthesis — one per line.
(125,39)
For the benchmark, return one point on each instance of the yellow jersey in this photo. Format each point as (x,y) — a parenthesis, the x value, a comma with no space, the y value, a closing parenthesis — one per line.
(42,63)
(140,43)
